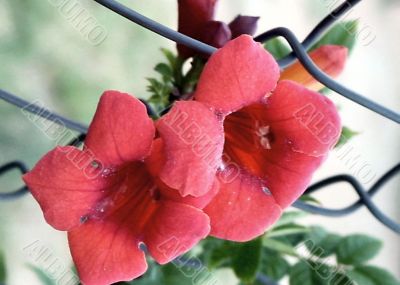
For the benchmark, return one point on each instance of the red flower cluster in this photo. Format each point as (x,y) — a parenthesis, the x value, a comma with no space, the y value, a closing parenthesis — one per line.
(224,164)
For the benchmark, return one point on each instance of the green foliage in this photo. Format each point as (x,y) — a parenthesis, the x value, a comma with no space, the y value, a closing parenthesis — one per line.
(175,273)
(343,33)
(345,136)
(162,89)
(371,275)
(287,230)
(3,271)
(247,259)
(289,217)
(279,246)
(308,272)
(322,243)
(357,249)
(221,255)
(301,274)
(277,48)
(274,265)
(173,83)
(309,199)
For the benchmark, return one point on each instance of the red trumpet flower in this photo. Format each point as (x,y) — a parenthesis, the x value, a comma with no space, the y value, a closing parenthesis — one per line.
(274,135)
(109,201)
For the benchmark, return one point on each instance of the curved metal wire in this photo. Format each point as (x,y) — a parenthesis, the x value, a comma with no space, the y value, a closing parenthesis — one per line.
(317,32)
(298,50)
(365,198)
(318,74)
(39,111)
(303,57)
(156,27)
(9,167)
(24,169)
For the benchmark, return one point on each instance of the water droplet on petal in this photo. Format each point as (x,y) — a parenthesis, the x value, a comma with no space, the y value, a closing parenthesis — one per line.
(142,246)
(107,172)
(266,190)
(83,219)
(95,164)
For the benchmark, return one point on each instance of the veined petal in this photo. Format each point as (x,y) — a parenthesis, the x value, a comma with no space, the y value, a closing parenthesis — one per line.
(243,209)
(154,164)
(239,74)
(306,117)
(329,58)
(120,131)
(66,185)
(284,140)
(193,15)
(105,248)
(105,252)
(193,142)
(174,229)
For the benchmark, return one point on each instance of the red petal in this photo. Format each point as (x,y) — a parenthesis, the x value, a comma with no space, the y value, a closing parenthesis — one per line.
(105,252)
(329,58)
(120,131)
(174,229)
(308,118)
(284,140)
(66,186)
(105,248)
(154,164)
(243,209)
(193,143)
(240,73)
(193,15)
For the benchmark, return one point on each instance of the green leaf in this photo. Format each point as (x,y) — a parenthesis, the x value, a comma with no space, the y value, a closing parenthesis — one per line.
(153,276)
(345,136)
(164,70)
(320,243)
(274,265)
(343,33)
(192,76)
(357,249)
(173,276)
(287,230)
(309,199)
(372,275)
(247,259)
(41,275)
(301,274)
(221,256)
(3,271)
(172,59)
(279,246)
(277,48)
(289,217)
(317,273)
